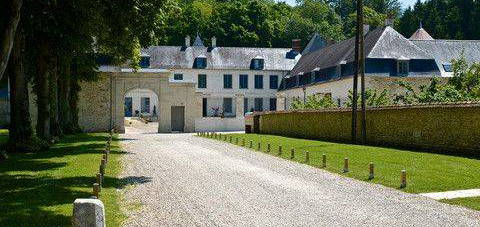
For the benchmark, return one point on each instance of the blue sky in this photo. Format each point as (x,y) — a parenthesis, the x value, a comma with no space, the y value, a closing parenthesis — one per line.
(405,3)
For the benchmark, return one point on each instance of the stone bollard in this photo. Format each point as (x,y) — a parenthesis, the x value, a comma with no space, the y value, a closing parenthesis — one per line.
(403,179)
(279,150)
(96,190)
(99,179)
(307,157)
(88,212)
(292,153)
(259,146)
(251,144)
(345,165)
(324,160)
(268,148)
(371,170)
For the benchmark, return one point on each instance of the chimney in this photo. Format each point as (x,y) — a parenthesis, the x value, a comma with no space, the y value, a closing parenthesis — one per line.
(389,22)
(366,29)
(297,45)
(214,42)
(187,41)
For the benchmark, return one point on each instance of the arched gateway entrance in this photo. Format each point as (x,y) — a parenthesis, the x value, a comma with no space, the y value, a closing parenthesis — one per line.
(177,106)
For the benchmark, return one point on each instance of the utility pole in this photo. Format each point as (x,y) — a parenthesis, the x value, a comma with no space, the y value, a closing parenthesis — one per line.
(358,40)
(361,63)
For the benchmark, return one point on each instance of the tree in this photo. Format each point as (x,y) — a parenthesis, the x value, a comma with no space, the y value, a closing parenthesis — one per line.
(373,98)
(11,11)
(371,17)
(314,102)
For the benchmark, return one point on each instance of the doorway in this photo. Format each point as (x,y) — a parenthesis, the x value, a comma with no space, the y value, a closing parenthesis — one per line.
(178,118)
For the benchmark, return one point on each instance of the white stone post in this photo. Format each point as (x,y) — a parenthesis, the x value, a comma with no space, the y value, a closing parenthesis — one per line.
(88,212)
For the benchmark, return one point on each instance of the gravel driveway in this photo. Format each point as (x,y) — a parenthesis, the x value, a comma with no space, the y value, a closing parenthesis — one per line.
(183,180)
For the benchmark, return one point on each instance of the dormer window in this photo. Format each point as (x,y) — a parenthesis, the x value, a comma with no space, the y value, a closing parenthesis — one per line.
(144,61)
(447,67)
(257,63)
(200,62)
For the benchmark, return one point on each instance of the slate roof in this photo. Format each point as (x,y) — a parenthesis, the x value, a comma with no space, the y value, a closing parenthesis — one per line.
(445,50)
(382,42)
(421,34)
(177,57)
(315,43)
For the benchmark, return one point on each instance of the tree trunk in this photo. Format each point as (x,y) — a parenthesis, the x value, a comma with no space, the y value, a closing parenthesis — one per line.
(64,114)
(12,14)
(53,93)
(73,100)
(43,94)
(20,132)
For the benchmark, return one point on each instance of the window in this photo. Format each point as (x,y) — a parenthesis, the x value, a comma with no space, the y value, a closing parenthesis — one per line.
(144,62)
(200,63)
(204,107)
(227,105)
(258,81)
(227,81)
(258,104)
(257,64)
(202,81)
(243,82)
(447,68)
(273,82)
(245,105)
(402,68)
(145,104)
(178,76)
(273,104)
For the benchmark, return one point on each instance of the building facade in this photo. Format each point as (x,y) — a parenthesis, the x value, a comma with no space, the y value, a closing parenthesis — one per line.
(389,58)
(226,82)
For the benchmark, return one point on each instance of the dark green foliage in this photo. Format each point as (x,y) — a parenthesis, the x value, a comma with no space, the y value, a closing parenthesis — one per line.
(443,19)
(374,98)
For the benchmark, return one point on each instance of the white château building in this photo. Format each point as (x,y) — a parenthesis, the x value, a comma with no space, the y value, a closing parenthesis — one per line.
(230,80)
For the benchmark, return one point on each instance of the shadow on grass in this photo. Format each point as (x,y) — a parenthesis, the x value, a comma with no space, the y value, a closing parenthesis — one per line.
(37,189)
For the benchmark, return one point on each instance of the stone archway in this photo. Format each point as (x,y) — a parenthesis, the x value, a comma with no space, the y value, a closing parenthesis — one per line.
(127,82)
(141,110)
(171,95)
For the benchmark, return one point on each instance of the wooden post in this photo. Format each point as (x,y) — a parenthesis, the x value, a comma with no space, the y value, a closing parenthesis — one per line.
(268,148)
(324,160)
(102,167)
(96,190)
(403,179)
(243,142)
(345,165)
(372,171)
(292,153)
(99,179)
(230,140)
(259,146)
(105,157)
(236,140)
(279,150)
(251,144)
(307,157)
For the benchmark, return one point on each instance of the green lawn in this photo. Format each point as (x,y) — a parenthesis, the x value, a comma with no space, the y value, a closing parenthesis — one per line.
(426,172)
(38,189)
(473,202)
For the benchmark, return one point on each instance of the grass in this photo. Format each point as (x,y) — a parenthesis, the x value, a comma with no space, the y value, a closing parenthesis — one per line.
(426,172)
(472,202)
(38,189)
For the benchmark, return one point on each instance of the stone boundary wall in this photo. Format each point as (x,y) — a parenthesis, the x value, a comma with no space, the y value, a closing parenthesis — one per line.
(443,127)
